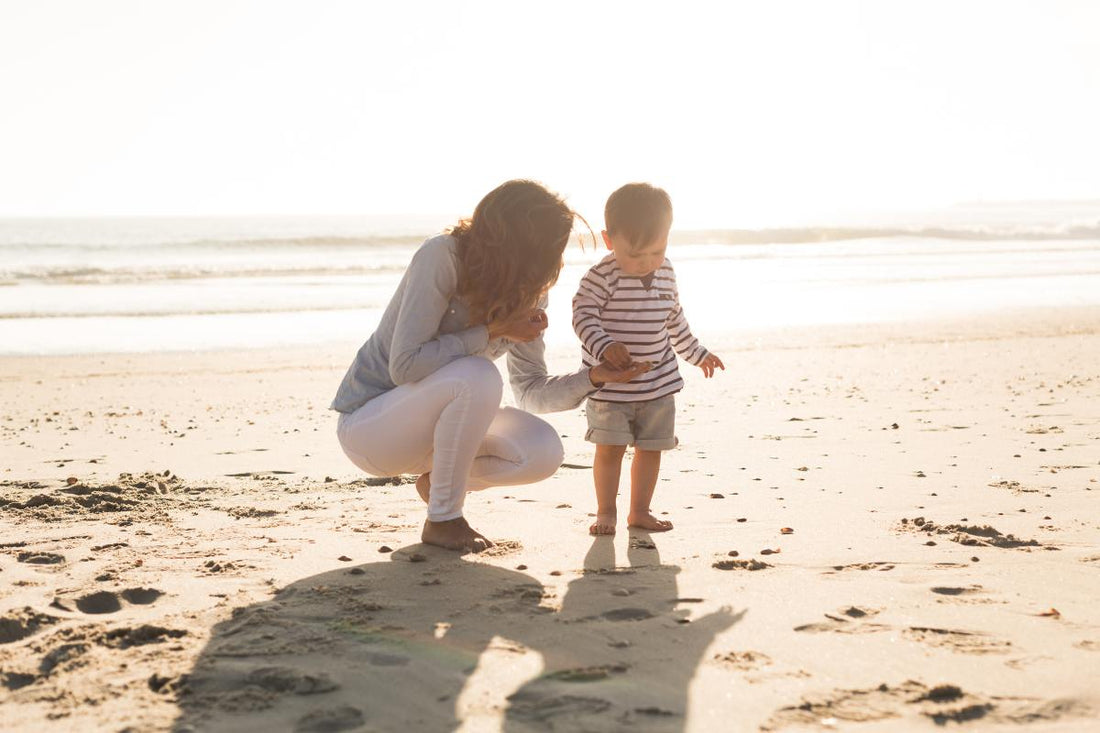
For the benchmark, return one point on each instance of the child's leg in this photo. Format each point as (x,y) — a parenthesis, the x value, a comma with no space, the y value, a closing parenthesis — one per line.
(606,468)
(643,480)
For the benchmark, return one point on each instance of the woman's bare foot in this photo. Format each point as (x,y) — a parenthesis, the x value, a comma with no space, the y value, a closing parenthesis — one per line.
(423,484)
(454,534)
(646,520)
(604,524)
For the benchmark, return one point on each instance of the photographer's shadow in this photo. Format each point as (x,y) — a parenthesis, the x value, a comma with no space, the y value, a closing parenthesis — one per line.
(382,646)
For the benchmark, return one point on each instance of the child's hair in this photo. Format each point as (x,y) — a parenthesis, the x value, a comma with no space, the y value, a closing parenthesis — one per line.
(639,212)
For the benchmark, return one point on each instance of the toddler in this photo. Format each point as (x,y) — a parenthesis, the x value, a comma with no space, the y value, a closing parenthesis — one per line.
(627,310)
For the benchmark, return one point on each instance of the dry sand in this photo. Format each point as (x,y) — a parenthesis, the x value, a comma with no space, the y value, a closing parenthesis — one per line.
(183,546)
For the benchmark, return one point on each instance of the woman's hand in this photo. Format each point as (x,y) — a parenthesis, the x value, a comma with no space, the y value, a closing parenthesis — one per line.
(520,327)
(603,372)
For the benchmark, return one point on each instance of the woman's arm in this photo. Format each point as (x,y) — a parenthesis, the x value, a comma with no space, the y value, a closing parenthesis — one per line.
(417,349)
(537,391)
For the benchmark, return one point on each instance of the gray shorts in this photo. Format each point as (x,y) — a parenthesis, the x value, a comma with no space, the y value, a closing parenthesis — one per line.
(649,425)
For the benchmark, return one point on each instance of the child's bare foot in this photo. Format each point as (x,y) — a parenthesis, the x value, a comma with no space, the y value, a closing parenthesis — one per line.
(454,534)
(646,520)
(423,484)
(604,524)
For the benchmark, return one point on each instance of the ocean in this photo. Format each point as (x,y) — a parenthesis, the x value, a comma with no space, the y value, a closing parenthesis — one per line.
(70,286)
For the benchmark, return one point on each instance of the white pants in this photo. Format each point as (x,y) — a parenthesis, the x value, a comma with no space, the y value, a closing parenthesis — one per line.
(451,423)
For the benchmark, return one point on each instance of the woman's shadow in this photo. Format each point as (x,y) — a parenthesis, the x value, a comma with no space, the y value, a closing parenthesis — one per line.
(394,645)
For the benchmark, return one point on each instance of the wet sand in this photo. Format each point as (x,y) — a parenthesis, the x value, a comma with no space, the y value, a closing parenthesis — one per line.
(883,528)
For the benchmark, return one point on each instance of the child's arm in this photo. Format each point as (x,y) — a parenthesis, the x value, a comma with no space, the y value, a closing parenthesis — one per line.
(685,344)
(591,297)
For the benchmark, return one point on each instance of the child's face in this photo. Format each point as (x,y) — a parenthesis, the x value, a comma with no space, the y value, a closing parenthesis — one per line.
(637,261)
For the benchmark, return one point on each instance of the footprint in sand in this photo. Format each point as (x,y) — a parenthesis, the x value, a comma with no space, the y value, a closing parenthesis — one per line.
(587,674)
(964,642)
(40,558)
(141,596)
(103,601)
(106,601)
(19,624)
(626,614)
(880,566)
(846,621)
(331,720)
(531,707)
(910,701)
(746,661)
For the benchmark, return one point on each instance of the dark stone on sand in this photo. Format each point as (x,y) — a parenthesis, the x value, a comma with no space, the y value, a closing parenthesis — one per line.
(717,496)
(344,558)
(385,548)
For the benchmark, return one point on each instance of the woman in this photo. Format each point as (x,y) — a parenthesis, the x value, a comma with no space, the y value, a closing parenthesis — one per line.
(423,395)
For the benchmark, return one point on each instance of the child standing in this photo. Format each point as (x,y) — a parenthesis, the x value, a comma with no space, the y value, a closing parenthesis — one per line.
(627,310)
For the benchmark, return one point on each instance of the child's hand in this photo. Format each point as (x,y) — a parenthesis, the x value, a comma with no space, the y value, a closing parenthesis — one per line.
(711,363)
(617,355)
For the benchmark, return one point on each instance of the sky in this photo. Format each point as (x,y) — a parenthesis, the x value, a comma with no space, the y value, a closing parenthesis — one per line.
(748,113)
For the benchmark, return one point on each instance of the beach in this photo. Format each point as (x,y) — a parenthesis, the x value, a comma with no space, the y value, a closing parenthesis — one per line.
(885,525)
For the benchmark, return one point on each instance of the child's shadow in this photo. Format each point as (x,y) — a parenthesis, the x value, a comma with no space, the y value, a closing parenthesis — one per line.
(624,652)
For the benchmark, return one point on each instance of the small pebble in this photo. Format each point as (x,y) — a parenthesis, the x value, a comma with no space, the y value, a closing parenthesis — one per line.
(344,558)
(733,553)
(385,548)
(521,567)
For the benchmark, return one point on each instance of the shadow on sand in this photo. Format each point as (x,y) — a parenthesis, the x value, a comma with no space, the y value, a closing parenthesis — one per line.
(403,645)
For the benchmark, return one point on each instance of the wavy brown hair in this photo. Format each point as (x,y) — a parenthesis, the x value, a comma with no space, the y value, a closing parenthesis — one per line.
(510,250)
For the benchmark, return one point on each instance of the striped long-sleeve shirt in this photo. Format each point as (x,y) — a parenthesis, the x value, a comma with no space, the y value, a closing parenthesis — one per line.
(643,314)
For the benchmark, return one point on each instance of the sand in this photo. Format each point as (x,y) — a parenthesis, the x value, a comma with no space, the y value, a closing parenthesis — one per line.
(887,528)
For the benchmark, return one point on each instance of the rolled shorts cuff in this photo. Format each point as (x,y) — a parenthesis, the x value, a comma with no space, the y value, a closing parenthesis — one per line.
(657,443)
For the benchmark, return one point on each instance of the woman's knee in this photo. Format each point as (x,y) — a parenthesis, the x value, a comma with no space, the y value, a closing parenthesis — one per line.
(481,376)
(545,453)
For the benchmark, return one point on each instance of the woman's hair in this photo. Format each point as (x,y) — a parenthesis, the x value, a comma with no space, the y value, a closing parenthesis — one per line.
(510,250)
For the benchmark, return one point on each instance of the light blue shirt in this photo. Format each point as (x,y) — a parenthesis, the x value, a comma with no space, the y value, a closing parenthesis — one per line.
(425,327)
